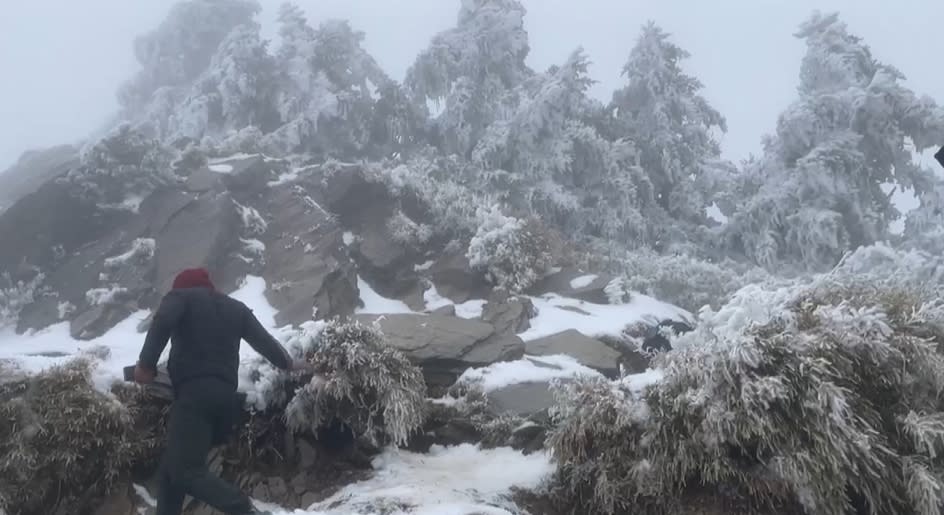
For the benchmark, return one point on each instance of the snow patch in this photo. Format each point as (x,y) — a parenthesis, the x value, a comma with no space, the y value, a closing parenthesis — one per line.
(348,238)
(470,308)
(99,296)
(425,266)
(141,247)
(221,168)
(446,481)
(639,382)
(583,281)
(234,157)
(434,300)
(376,304)
(284,178)
(530,369)
(557,314)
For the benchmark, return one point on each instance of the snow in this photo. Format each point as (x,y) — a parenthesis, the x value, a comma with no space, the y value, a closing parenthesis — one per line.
(35,351)
(99,296)
(638,382)
(233,157)
(284,178)
(468,309)
(140,247)
(348,238)
(221,168)
(557,314)
(434,300)
(375,304)
(425,266)
(583,281)
(446,481)
(530,369)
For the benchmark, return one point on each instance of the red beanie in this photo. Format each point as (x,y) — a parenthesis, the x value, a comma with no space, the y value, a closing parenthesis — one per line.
(193,278)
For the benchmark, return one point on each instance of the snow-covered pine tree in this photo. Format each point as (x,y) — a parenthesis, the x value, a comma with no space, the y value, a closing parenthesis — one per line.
(545,157)
(468,71)
(821,187)
(179,50)
(672,126)
(237,90)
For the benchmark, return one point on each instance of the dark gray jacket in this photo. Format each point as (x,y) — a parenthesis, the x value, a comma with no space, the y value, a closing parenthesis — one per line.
(205,328)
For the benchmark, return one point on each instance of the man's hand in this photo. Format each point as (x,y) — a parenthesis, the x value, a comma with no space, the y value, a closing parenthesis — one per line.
(143,375)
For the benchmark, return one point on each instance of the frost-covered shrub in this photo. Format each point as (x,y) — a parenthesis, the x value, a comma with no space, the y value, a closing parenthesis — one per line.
(827,396)
(683,280)
(360,381)
(122,168)
(363,382)
(514,253)
(15,295)
(406,231)
(63,444)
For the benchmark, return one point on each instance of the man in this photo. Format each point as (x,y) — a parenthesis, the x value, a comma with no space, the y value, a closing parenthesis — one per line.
(206,328)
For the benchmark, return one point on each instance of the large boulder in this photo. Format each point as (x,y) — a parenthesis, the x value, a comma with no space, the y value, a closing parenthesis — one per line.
(445,347)
(574,283)
(456,280)
(587,351)
(509,315)
(32,170)
(306,265)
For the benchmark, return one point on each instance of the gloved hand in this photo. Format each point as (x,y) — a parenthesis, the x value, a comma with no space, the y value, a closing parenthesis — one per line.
(143,375)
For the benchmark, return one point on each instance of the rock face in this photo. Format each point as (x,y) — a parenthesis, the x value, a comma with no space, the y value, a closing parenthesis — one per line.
(306,265)
(455,279)
(588,351)
(444,346)
(32,170)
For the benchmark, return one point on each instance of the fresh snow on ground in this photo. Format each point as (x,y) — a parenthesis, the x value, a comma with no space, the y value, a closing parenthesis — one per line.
(468,309)
(221,168)
(557,314)
(583,281)
(376,304)
(348,238)
(446,481)
(530,369)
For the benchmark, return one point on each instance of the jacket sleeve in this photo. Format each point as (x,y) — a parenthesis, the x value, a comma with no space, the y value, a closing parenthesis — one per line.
(162,327)
(263,342)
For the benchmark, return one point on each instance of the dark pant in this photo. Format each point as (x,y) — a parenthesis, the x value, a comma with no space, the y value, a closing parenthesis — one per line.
(203,415)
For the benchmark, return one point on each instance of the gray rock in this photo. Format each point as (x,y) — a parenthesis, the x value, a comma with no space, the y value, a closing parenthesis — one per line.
(32,170)
(509,315)
(588,351)
(444,347)
(97,320)
(448,310)
(306,264)
(523,399)
(456,281)
(561,284)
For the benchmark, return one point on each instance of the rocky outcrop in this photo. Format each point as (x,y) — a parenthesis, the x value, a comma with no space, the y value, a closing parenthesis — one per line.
(508,315)
(588,351)
(455,280)
(443,346)
(32,170)
(571,282)
(307,268)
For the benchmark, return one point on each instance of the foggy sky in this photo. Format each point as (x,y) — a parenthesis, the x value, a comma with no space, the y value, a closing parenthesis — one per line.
(62,60)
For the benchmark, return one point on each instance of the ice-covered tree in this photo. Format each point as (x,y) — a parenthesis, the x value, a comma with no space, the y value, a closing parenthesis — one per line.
(469,69)
(545,158)
(335,99)
(237,90)
(924,226)
(821,186)
(180,49)
(673,127)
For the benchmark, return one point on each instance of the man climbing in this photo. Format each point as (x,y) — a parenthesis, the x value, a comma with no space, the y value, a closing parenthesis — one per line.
(206,328)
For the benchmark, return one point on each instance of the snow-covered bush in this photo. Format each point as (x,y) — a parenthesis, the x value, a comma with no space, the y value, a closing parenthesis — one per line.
(122,169)
(360,380)
(683,280)
(514,253)
(830,400)
(406,231)
(15,295)
(63,444)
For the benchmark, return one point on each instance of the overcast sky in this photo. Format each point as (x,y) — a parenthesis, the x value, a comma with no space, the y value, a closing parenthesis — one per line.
(62,60)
